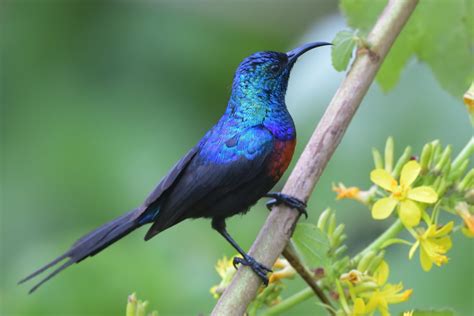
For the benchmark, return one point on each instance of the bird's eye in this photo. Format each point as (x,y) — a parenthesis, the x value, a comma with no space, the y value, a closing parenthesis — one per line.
(275,68)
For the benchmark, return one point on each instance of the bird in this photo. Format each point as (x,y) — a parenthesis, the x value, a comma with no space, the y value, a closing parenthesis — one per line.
(235,164)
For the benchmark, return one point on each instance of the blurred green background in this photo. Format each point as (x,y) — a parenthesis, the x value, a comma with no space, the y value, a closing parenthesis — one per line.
(99,99)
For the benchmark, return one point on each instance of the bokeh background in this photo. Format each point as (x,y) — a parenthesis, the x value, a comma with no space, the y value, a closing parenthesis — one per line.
(99,99)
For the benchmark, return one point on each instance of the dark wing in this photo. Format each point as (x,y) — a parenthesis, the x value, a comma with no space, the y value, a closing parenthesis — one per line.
(173,175)
(220,167)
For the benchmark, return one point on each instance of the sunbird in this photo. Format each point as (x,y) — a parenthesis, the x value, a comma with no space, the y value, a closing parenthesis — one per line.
(235,164)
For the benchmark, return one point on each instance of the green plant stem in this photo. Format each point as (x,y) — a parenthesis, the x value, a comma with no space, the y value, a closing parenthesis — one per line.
(306,293)
(289,302)
(465,153)
(390,233)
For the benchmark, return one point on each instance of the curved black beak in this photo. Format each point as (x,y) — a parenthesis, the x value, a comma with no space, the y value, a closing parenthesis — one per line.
(297,52)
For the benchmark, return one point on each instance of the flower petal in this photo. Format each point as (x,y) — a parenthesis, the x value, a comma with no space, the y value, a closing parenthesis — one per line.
(383,208)
(413,249)
(383,179)
(410,172)
(446,229)
(425,260)
(382,272)
(444,244)
(410,213)
(400,297)
(423,194)
(359,307)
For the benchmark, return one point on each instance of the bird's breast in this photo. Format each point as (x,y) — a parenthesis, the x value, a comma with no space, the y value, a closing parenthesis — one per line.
(280,157)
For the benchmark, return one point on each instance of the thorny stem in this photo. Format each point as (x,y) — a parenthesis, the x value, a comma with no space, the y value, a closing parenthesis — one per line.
(280,224)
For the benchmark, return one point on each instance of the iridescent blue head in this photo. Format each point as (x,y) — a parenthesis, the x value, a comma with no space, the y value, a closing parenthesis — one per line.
(263,76)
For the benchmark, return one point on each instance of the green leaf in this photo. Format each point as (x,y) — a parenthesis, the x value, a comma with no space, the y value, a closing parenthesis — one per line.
(312,244)
(343,45)
(439,33)
(433,312)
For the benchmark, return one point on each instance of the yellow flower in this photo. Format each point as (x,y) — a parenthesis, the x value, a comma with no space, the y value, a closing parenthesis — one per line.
(462,209)
(402,195)
(408,313)
(226,271)
(345,193)
(353,193)
(381,298)
(378,298)
(282,270)
(434,244)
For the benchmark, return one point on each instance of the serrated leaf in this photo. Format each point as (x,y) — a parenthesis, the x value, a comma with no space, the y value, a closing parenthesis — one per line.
(312,244)
(439,33)
(341,53)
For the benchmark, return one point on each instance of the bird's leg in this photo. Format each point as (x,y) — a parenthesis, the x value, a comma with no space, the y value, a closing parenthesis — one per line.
(261,270)
(291,201)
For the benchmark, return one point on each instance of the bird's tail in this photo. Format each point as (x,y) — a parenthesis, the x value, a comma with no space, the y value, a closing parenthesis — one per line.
(90,244)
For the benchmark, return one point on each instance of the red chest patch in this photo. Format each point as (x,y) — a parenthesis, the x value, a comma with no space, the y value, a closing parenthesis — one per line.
(280,157)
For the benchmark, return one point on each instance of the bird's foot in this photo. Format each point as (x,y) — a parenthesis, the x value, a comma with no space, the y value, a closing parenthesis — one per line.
(291,201)
(257,267)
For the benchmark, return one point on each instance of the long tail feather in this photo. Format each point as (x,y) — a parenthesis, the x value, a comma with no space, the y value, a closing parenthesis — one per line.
(89,245)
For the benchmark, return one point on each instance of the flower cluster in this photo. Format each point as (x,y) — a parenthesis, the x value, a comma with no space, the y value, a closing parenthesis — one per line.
(417,190)
(136,307)
(370,291)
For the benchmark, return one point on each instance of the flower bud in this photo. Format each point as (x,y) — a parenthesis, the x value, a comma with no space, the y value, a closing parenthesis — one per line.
(447,168)
(365,261)
(436,151)
(131,305)
(375,262)
(366,287)
(389,148)
(141,308)
(323,218)
(466,182)
(336,236)
(331,225)
(456,173)
(378,162)
(443,185)
(445,156)
(401,162)
(426,156)
(339,251)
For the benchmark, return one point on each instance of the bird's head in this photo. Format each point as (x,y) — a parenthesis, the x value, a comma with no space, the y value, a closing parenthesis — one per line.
(265,74)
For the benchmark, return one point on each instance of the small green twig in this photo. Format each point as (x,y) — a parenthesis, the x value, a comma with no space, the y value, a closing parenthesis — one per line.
(288,303)
(290,254)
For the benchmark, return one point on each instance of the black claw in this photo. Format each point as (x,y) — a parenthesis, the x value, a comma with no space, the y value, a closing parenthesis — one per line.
(257,267)
(291,201)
